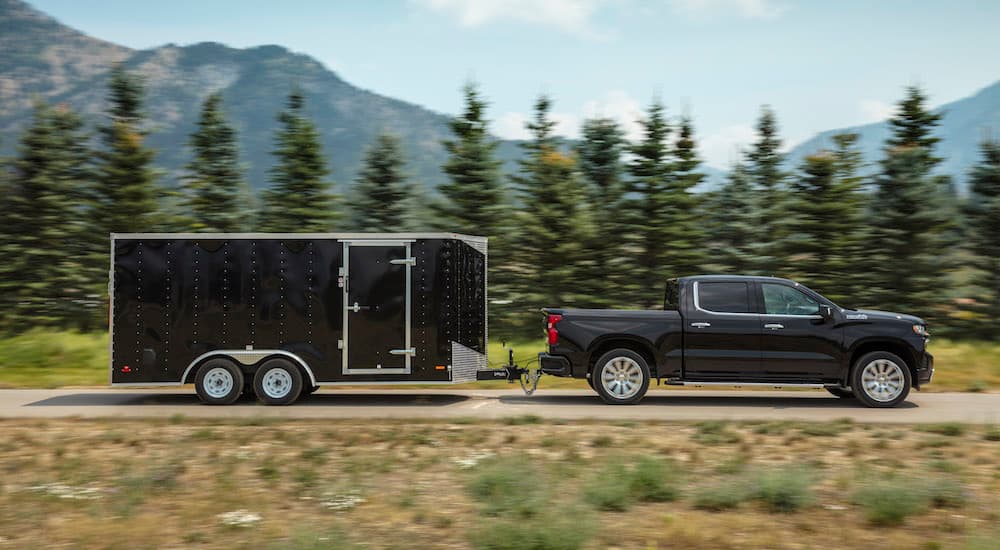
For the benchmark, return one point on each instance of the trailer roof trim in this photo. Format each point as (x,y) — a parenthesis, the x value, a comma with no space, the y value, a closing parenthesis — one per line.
(336,236)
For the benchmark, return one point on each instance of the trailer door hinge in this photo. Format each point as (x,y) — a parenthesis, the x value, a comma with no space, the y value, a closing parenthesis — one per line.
(340,344)
(404,261)
(409,351)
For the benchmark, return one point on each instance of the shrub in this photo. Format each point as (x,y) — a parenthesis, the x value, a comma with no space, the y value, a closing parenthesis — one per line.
(891,501)
(951,429)
(992,433)
(508,485)
(715,433)
(723,495)
(783,490)
(610,489)
(654,480)
(945,492)
(562,530)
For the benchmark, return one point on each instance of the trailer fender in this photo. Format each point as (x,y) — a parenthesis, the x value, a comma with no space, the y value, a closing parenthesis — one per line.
(248,358)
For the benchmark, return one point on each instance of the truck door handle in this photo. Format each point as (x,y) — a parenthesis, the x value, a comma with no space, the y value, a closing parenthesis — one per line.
(774,326)
(701,325)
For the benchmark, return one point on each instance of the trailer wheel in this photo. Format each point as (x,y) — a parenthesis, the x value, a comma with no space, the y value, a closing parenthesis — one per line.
(622,377)
(218,382)
(277,382)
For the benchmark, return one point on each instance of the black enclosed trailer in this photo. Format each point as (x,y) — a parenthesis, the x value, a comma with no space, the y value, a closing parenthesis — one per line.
(286,313)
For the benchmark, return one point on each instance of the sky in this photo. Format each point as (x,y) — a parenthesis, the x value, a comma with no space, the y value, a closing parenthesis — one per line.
(819,64)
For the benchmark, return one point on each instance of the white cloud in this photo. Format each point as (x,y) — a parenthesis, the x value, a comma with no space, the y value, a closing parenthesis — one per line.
(512,125)
(874,110)
(621,107)
(721,148)
(572,16)
(750,9)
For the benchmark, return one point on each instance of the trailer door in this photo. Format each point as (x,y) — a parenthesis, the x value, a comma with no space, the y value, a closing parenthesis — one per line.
(377,307)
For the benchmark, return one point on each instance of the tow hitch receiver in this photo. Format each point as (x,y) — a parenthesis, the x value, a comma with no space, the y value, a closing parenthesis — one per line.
(510,372)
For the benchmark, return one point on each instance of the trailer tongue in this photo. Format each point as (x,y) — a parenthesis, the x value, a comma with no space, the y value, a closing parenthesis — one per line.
(510,372)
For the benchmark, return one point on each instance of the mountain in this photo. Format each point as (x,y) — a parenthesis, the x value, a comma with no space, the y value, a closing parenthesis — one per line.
(964,124)
(42,58)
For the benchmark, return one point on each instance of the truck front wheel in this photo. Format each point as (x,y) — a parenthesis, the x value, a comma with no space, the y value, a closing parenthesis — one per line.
(621,377)
(880,379)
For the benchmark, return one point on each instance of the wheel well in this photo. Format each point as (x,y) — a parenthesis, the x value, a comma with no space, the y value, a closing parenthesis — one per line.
(248,369)
(192,371)
(892,347)
(642,349)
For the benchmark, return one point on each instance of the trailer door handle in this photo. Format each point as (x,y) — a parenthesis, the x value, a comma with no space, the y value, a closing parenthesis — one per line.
(774,326)
(356,308)
(409,351)
(404,261)
(701,325)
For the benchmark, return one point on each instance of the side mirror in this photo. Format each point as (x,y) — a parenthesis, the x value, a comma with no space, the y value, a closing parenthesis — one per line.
(826,312)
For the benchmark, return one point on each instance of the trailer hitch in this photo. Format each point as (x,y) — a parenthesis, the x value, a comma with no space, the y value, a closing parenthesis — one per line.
(510,372)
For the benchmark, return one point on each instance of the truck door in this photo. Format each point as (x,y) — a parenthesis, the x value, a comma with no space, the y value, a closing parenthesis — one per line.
(721,332)
(796,343)
(377,307)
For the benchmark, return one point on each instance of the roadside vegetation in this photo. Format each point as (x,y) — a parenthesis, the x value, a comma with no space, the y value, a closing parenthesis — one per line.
(532,485)
(51,359)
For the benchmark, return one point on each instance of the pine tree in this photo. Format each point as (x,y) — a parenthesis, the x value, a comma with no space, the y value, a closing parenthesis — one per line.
(125,192)
(213,189)
(823,233)
(764,167)
(43,276)
(652,211)
(473,196)
(732,223)
(552,228)
(983,210)
(299,199)
(908,221)
(686,254)
(382,194)
(600,153)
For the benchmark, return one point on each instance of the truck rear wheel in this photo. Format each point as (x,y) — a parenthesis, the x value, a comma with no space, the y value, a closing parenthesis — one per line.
(880,379)
(621,377)
(277,382)
(218,382)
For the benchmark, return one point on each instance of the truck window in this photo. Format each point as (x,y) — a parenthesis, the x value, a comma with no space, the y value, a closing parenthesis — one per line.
(724,297)
(672,299)
(785,300)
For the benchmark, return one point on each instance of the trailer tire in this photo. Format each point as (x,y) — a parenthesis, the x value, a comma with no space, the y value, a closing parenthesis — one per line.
(277,382)
(621,377)
(218,382)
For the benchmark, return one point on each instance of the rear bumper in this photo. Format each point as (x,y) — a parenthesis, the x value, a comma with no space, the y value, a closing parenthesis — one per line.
(556,365)
(925,370)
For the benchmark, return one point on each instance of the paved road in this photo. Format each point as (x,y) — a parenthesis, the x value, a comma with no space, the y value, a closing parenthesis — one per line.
(556,404)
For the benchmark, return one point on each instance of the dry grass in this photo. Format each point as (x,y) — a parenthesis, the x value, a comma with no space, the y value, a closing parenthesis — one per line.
(392,484)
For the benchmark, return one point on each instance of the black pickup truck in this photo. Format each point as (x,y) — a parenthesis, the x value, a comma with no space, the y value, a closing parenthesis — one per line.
(740,331)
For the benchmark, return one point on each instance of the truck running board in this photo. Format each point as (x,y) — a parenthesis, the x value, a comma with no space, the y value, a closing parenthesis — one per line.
(777,385)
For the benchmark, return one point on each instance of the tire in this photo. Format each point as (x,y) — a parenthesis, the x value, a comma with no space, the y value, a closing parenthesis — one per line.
(219,382)
(277,382)
(590,381)
(842,393)
(621,377)
(880,379)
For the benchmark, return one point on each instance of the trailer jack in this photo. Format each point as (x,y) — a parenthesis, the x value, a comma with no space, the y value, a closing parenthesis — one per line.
(510,372)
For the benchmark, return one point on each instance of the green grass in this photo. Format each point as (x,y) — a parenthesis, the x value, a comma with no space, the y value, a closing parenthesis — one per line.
(50,359)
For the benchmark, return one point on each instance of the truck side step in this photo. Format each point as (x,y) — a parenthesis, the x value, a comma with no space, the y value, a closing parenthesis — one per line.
(776,385)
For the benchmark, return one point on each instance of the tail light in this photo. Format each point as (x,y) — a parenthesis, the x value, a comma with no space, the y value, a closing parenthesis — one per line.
(550,328)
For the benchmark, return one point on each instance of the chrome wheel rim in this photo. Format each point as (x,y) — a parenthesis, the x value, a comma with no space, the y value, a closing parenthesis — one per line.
(882,380)
(218,382)
(621,377)
(277,383)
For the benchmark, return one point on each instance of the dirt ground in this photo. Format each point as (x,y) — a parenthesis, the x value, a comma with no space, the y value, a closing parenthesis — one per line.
(522,483)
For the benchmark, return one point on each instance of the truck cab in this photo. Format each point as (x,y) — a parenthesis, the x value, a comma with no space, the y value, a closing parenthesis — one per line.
(741,331)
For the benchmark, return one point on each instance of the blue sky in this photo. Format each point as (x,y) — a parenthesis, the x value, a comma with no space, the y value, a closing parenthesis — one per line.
(820,64)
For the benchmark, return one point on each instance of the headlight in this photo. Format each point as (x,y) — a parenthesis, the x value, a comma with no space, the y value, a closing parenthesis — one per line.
(921,330)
